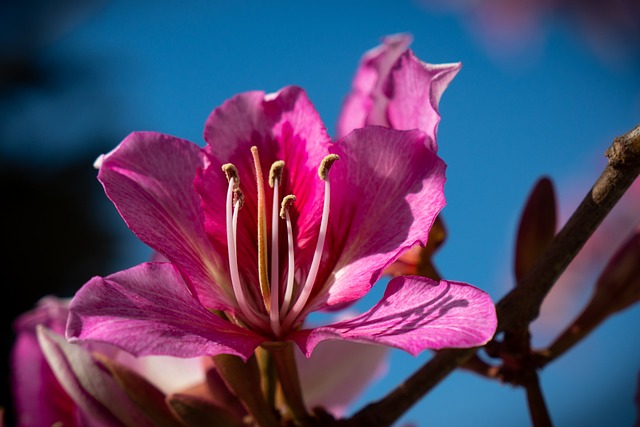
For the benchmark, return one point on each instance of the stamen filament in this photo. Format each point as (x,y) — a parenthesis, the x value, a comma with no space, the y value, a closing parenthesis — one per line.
(262,231)
(286,203)
(317,255)
(232,223)
(274,181)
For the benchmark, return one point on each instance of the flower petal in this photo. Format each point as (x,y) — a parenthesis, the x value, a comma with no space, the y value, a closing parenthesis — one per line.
(387,189)
(91,387)
(414,89)
(415,314)
(148,310)
(283,126)
(338,372)
(393,88)
(149,177)
(367,104)
(39,398)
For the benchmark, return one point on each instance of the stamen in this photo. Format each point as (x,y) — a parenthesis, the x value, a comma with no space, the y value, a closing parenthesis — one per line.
(232,222)
(262,231)
(284,213)
(287,201)
(275,174)
(327,162)
(231,172)
(238,198)
(323,173)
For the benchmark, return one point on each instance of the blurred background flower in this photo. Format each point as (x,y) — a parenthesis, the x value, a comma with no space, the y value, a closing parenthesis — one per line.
(76,77)
(610,28)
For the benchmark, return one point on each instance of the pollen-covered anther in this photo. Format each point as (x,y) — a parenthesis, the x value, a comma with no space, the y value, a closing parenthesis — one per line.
(231,172)
(327,162)
(275,173)
(238,198)
(287,201)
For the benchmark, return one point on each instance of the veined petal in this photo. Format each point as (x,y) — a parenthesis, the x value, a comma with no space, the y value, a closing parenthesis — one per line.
(151,311)
(283,126)
(415,314)
(366,103)
(413,89)
(149,178)
(387,192)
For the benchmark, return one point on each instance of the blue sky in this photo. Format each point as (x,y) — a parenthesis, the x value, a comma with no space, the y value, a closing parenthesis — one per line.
(505,122)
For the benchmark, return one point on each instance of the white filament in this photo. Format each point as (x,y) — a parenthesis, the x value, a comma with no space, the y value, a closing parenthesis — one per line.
(315,263)
(232,226)
(291,265)
(274,313)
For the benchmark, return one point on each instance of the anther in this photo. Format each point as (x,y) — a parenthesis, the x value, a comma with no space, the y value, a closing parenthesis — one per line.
(287,201)
(238,198)
(323,170)
(275,173)
(231,172)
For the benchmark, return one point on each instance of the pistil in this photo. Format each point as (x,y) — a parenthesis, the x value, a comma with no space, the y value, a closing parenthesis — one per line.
(262,231)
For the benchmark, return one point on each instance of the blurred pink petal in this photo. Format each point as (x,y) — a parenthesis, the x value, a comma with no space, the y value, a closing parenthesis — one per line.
(39,398)
(94,391)
(393,88)
(338,372)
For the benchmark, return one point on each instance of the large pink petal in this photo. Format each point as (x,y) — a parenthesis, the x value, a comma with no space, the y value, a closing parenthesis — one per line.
(284,126)
(366,103)
(386,191)
(149,310)
(91,387)
(149,177)
(415,314)
(414,89)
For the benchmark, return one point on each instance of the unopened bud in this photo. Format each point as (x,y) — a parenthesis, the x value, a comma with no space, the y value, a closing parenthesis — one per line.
(537,227)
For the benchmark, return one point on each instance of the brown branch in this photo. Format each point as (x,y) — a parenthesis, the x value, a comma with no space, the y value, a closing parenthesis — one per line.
(535,399)
(521,306)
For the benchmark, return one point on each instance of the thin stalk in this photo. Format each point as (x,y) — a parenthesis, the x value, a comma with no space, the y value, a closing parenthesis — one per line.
(537,405)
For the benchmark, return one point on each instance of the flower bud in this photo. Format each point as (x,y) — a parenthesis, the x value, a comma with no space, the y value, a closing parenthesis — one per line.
(537,227)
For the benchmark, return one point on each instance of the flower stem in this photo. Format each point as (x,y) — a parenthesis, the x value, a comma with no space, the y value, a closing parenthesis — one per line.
(268,375)
(243,378)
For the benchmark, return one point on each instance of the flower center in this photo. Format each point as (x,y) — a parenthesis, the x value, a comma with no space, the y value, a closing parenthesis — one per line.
(280,307)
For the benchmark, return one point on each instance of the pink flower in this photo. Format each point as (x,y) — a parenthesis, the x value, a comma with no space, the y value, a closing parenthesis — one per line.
(611,28)
(268,223)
